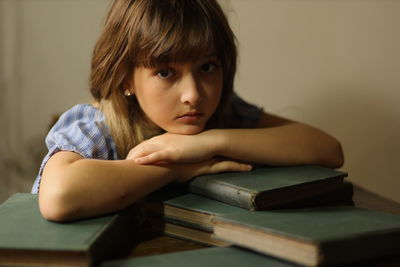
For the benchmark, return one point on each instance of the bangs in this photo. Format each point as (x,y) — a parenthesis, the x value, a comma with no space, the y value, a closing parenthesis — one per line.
(174,32)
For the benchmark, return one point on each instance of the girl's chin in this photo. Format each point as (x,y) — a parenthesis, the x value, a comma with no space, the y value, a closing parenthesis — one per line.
(187,130)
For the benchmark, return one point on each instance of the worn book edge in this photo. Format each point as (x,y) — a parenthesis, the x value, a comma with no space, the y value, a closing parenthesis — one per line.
(275,245)
(200,219)
(224,193)
(194,235)
(309,252)
(44,258)
(253,200)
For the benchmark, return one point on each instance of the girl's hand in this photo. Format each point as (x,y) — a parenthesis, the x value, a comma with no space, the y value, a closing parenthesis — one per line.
(212,166)
(174,148)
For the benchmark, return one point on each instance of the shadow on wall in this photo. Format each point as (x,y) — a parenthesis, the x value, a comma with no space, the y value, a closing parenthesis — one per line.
(364,119)
(20,172)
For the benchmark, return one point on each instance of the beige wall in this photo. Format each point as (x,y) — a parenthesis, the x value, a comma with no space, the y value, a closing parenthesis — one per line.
(45,50)
(333,64)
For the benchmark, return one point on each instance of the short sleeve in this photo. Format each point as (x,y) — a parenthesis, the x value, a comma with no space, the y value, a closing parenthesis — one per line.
(242,114)
(81,130)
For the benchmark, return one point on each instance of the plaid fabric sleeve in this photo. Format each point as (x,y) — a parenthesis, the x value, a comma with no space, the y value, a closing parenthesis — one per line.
(81,130)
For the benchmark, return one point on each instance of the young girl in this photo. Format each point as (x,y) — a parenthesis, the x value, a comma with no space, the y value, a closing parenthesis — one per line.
(164,111)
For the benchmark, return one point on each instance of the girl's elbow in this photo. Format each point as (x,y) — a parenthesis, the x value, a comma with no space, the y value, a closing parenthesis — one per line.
(54,206)
(336,156)
(53,213)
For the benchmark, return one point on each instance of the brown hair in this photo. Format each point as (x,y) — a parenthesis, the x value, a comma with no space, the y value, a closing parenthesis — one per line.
(147,33)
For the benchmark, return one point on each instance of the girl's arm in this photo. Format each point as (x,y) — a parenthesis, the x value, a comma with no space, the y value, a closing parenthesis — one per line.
(279,141)
(276,141)
(73,187)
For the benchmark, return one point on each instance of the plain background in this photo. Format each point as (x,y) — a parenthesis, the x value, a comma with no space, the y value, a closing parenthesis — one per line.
(333,64)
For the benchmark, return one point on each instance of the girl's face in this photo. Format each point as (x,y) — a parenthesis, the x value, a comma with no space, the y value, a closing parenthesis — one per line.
(179,98)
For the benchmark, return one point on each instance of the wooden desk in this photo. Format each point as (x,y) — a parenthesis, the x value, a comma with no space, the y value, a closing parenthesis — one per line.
(362,198)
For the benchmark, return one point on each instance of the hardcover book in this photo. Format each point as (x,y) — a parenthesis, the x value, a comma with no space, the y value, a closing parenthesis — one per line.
(314,236)
(210,257)
(192,234)
(189,216)
(27,239)
(268,187)
(190,210)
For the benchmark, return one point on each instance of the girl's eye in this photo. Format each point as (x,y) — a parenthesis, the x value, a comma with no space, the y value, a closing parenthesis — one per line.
(165,73)
(207,68)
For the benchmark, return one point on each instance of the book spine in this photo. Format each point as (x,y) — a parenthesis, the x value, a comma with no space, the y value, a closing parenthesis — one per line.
(197,226)
(194,235)
(118,237)
(222,192)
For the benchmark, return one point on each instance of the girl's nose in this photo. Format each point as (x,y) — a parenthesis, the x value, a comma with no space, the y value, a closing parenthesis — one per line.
(190,90)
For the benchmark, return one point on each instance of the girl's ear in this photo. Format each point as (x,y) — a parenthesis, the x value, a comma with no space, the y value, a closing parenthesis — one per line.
(128,90)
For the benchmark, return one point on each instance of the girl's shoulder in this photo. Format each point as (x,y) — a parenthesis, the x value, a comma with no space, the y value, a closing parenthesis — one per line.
(81,112)
(82,129)
(80,116)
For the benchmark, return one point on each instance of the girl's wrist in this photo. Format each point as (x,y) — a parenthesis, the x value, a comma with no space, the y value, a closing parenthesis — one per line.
(216,141)
(186,171)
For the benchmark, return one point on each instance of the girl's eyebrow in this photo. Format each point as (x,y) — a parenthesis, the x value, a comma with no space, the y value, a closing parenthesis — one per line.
(213,54)
(210,57)
(166,64)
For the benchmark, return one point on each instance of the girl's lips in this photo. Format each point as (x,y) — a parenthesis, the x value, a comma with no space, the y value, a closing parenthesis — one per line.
(190,117)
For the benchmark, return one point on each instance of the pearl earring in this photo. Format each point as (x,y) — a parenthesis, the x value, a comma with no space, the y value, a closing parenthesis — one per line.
(128,93)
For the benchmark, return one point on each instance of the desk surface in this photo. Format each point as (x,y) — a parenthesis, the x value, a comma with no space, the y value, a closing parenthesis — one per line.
(362,198)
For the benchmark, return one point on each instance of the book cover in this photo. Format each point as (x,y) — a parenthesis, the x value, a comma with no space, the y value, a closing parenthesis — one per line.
(314,236)
(267,187)
(210,257)
(27,239)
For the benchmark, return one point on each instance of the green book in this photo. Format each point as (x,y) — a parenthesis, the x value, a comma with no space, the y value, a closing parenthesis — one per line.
(268,187)
(189,217)
(314,236)
(191,210)
(340,195)
(27,239)
(210,257)
(179,231)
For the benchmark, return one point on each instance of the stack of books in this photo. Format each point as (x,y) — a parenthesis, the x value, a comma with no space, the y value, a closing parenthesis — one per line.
(272,216)
(302,215)
(188,213)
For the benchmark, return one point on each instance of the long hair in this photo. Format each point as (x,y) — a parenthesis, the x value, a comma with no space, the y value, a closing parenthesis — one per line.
(147,33)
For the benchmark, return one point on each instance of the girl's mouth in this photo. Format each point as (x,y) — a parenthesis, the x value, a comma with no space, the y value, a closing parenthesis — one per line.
(190,117)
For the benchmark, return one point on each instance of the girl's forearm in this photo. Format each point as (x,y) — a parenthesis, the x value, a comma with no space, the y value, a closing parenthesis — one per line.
(89,187)
(289,144)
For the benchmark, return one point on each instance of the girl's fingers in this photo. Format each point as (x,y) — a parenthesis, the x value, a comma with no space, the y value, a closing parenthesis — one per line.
(153,158)
(214,166)
(140,152)
(229,166)
(134,153)
(146,159)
